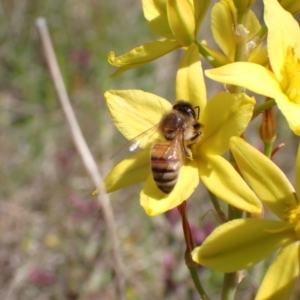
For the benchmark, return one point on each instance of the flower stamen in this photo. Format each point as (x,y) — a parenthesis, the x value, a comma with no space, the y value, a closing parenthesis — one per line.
(292,75)
(292,216)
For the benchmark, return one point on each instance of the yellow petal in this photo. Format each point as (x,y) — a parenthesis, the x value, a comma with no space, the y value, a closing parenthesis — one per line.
(130,171)
(224,116)
(264,177)
(201,8)
(223,18)
(190,84)
(298,172)
(253,24)
(156,202)
(282,275)
(254,27)
(221,25)
(248,75)
(290,110)
(182,20)
(240,244)
(141,55)
(219,176)
(283,32)
(220,58)
(134,111)
(155,13)
(260,57)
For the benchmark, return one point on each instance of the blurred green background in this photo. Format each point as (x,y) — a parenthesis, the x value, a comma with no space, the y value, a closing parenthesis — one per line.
(54,242)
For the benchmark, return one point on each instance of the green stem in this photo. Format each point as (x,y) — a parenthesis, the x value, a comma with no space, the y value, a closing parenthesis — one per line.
(242,16)
(260,108)
(234,213)
(241,35)
(229,286)
(230,279)
(261,34)
(216,204)
(207,56)
(268,149)
(198,285)
(241,38)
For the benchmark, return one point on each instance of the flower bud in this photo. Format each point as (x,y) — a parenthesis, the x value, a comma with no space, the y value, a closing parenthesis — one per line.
(181,17)
(267,130)
(243,4)
(292,6)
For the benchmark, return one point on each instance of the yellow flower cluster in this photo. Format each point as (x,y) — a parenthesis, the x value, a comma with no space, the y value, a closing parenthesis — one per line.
(206,129)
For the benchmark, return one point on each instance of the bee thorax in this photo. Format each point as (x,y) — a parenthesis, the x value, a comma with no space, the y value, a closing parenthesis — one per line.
(171,124)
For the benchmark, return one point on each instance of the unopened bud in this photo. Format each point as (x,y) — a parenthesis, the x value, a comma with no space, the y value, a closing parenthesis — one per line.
(292,6)
(243,4)
(181,18)
(267,130)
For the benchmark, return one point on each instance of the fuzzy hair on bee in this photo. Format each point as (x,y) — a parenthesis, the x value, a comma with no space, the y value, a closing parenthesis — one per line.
(181,130)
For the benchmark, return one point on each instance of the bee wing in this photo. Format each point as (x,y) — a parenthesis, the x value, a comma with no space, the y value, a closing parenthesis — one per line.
(137,142)
(175,149)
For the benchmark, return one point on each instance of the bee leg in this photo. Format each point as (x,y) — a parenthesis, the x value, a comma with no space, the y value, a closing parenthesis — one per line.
(192,140)
(195,137)
(189,143)
(197,126)
(188,153)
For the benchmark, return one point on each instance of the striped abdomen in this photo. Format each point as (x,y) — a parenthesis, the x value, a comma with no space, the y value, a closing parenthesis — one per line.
(166,160)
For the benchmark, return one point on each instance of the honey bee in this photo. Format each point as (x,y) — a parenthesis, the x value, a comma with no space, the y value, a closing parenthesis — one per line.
(180,130)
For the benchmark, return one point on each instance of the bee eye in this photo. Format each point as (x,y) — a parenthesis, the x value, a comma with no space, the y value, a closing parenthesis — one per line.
(185,107)
(191,112)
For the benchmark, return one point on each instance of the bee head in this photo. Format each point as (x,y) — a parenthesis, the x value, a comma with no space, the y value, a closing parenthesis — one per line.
(185,107)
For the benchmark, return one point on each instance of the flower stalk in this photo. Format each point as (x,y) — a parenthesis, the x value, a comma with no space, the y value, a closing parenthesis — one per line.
(192,266)
(229,286)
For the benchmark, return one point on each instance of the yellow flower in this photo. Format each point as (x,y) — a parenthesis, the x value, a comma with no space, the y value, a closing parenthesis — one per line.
(242,243)
(177,21)
(224,116)
(283,84)
(226,31)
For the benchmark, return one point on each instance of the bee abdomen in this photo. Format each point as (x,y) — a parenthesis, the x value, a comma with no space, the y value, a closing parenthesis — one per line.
(165,180)
(165,171)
